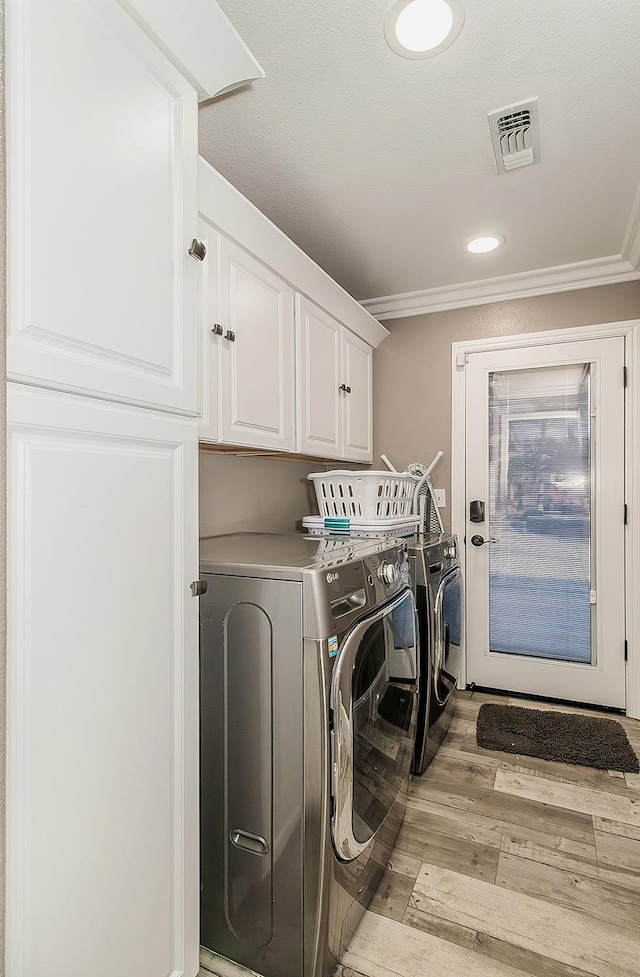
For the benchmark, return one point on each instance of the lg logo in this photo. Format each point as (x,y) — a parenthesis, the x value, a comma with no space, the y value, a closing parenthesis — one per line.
(331,577)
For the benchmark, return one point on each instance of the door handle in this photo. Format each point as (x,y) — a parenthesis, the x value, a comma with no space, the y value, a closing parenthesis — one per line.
(480,540)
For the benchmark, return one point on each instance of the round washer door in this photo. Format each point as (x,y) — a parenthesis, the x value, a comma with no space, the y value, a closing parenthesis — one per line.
(447,644)
(373,732)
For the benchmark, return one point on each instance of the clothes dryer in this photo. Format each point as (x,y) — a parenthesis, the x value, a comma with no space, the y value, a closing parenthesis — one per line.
(307,740)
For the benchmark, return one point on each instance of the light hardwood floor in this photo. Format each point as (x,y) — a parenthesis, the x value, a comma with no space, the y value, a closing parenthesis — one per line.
(507,865)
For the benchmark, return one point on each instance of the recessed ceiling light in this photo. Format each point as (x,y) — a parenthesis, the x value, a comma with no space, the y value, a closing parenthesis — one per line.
(423,28)
(484,243)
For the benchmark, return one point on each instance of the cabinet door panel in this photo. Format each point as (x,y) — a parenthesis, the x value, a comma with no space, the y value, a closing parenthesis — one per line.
(209,320)
(102,158)
(319,401)
(358,434)
(258,382)
(102,778)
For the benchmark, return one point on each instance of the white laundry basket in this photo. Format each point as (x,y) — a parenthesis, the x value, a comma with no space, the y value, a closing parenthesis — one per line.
(364,495)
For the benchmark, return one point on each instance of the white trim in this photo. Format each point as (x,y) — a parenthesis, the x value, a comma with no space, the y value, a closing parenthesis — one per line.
(631,331)
(458,475)
(224,207)
(632,488)
(200,41)
(542,281)
(631,242)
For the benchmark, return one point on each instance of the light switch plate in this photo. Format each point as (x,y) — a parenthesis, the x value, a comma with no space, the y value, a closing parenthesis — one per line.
(441,498)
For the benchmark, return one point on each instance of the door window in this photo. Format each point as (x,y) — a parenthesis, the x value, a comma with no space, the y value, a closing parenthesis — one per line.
(540,510)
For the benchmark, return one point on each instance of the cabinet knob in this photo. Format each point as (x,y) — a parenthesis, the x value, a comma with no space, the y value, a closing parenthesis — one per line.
(198,587)
(344,387)
(230,335)
(217,329)
(197,250)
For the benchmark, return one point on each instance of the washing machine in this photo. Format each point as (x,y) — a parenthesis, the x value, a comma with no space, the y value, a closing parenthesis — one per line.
(435,567)
(308,709)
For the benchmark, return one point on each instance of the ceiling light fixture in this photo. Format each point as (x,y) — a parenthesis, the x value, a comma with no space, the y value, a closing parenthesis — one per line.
(484,244)
(423,28)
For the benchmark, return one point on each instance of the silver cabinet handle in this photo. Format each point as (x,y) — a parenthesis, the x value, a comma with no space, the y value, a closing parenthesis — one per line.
(230,335)
(249,842)
(198,587)
(197,250)
(217,329)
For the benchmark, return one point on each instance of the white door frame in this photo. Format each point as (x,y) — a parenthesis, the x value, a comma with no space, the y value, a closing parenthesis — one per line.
(631,331)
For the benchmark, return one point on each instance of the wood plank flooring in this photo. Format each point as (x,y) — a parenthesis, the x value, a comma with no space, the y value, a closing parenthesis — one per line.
(508,866)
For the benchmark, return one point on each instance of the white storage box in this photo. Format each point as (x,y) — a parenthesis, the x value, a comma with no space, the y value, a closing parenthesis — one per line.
(364,495)
(337,526)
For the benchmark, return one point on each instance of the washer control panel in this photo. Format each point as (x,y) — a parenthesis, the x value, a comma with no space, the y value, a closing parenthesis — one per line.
(450,548)
(389,573)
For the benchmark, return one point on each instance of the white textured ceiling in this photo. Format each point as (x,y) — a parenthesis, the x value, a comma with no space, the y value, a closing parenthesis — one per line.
(379,167)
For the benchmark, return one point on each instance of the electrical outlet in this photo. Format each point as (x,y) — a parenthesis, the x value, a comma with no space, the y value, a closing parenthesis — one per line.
(441,498)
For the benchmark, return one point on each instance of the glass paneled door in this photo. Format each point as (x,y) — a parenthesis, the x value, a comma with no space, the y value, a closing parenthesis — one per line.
(545,520)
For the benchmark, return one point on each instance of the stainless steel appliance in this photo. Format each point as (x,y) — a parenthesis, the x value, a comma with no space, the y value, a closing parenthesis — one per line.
(438,589)
(306,741)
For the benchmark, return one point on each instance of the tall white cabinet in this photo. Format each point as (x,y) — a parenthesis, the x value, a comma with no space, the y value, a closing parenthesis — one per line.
(102,182)
(103,680)
(102,759)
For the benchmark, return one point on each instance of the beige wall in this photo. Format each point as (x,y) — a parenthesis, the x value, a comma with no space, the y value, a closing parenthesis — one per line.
(253,494)
(412,368)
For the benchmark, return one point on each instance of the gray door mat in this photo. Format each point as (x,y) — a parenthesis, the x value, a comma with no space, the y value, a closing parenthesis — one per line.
(588,741)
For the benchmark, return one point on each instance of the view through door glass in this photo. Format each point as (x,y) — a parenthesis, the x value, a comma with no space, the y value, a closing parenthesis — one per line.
(540,504)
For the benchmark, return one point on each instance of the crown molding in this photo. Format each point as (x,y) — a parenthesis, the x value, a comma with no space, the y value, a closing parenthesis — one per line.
(543,281)
(631,243)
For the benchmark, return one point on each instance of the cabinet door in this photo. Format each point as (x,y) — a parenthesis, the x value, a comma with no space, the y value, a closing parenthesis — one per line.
(102,777)
(258,358)
(319,353)
(101,170)
(358,428)
(210,335)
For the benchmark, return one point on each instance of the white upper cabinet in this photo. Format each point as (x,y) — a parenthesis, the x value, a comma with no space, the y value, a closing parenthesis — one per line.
(334,387)
(319,371)
(102,208)
(255,389)
(357,359)
(102,763)
(257,356)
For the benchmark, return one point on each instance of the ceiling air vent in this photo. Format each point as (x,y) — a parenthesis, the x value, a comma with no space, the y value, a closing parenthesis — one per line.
(515,133)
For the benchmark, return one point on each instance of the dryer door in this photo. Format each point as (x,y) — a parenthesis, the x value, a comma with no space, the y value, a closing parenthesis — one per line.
(373,718)
(447,643)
